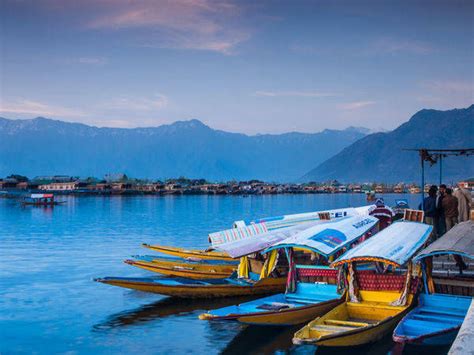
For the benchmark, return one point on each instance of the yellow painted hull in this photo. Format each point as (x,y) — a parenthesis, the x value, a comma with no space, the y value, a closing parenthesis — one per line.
(291,316)
(189,253)
(261,287)
(183,269)
(351,324)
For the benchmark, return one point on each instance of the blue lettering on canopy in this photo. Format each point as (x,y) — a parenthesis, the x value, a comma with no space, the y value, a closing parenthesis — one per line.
(330,237)
(362,223)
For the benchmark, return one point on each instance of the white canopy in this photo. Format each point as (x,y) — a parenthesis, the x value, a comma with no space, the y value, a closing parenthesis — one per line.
(328,238)
(264,225)
(395,245)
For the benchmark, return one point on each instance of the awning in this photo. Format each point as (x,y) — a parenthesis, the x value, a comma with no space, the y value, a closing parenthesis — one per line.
(263,225)
(326,239)
(260,242)
(394,245)
(458,240)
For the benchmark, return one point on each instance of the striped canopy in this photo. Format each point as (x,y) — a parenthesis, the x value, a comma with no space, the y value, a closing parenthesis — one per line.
(259,242)
(261,226)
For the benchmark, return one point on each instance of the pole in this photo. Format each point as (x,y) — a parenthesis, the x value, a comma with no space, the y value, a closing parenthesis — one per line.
(440,169)
(422,181)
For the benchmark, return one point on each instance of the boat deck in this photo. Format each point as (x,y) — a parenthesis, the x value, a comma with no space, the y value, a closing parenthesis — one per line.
(306,294)
(434,314)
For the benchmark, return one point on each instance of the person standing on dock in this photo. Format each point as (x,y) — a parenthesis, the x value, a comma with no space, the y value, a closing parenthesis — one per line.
(440,218)
(450,207)
(429,207)
(464,203)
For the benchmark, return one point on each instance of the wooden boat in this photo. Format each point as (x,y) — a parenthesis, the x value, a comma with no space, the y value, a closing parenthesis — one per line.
(189,253)
(376,302)
(438,317)
(308,299)
(211,288)
(436,320)
(41,200)
(188,268)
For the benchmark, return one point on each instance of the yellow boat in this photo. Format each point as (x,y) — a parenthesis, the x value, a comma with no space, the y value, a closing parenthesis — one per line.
(179,267)
(189,253)
(211,288)
(352,323)
(376,301)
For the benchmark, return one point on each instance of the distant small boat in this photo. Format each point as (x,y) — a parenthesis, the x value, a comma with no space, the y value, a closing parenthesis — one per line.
(41,200)
(189,268)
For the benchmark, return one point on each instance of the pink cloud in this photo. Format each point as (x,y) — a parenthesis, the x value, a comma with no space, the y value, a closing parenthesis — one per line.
(213,25)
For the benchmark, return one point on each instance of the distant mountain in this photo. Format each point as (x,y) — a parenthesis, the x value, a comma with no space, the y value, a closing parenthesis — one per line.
(42,146)
(380,156)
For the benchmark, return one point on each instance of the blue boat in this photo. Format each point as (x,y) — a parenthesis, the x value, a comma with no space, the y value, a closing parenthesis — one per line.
(302,301)
(437,318)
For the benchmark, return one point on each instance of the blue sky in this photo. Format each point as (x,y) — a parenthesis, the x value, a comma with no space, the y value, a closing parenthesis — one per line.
(252,67)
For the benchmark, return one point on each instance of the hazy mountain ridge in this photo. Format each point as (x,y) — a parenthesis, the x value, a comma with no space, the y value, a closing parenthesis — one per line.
(380,156)
(184,148)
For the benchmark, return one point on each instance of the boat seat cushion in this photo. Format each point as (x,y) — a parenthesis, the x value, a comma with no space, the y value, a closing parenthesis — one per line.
(370,281)
(315,272)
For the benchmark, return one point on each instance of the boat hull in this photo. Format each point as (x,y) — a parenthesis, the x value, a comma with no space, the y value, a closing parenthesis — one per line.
(185,269)
(436,321)
(290,316)
(307,302)
(352,324)
(198,289)
(189,253)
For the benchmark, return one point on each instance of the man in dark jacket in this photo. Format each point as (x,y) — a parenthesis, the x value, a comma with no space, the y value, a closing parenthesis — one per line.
(439,218)
(450,208)
(429,206)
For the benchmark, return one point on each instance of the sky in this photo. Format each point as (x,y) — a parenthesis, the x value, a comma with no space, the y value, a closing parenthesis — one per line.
(240,66)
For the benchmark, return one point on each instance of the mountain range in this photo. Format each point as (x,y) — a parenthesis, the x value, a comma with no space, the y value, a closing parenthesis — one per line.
(381,156)
(43,146)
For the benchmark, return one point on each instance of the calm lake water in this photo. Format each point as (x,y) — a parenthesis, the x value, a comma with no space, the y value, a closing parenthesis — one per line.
(49,256)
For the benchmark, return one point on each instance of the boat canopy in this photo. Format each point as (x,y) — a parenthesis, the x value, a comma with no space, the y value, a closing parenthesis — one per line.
(291,219)
(41,195)
(264,225)
(459,240)
(326,239)
(260,242)
(395,245)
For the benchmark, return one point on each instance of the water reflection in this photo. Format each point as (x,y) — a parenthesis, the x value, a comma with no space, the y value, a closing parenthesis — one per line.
(261,340)
(164,308)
